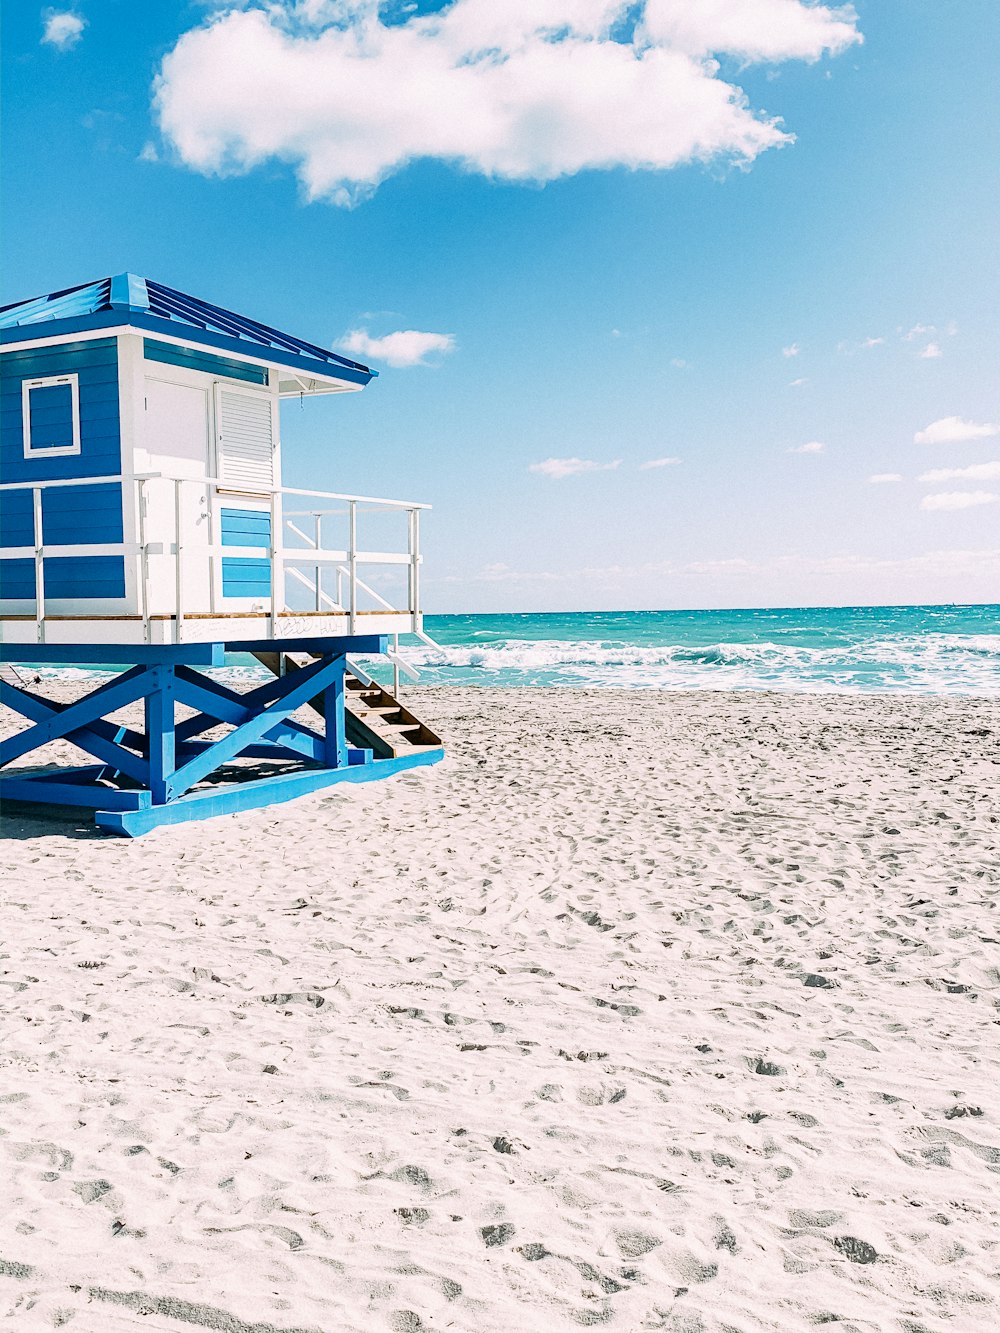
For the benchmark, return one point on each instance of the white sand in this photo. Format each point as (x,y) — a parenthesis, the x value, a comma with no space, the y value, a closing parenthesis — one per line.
(652,1011)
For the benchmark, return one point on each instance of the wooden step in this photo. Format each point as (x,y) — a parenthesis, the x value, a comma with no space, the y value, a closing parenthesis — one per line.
(373,719)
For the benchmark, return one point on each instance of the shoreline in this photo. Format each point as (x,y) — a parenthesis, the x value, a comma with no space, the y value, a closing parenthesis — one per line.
(644,1009)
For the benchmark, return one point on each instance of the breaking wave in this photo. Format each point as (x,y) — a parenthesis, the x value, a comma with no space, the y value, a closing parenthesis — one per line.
(929,663)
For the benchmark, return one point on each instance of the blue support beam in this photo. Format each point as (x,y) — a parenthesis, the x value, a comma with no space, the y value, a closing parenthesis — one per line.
(234,797)
(166,761)
(159,709)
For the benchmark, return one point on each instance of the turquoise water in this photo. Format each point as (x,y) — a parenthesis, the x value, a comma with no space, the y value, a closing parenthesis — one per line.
(921,649)
(916,649)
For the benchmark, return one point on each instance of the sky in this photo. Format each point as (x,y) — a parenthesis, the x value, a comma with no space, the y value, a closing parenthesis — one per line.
(673,305)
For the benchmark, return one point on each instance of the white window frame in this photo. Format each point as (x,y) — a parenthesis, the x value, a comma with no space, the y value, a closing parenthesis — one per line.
(63,450)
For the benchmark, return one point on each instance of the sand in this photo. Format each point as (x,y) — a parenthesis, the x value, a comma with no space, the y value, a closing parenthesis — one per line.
(644,1011)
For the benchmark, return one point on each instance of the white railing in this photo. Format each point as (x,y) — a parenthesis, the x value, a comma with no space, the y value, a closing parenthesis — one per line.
(175,548)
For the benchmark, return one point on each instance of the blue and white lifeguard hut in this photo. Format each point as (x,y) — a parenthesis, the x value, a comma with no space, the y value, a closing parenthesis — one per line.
(144,523)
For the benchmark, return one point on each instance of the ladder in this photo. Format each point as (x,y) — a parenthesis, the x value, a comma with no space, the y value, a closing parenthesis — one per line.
(373,718)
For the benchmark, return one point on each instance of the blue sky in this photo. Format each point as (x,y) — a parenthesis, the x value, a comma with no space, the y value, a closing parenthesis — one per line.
(599,301)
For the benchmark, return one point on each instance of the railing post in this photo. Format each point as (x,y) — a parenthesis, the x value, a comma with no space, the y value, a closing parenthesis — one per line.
(395,666)
(415,566)
(276,583)
(143,570)
(36,506)
(319,568)
(352,562)
(178,563)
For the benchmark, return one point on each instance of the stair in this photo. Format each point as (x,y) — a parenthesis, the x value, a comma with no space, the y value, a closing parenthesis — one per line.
(373,719)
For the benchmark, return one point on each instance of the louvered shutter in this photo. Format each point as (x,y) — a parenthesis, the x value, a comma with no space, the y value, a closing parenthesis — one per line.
(246,439)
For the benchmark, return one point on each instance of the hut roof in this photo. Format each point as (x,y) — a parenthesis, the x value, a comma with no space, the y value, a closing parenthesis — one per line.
(128,299)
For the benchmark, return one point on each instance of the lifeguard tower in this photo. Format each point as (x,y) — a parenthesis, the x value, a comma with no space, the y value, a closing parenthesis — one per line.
(145,528)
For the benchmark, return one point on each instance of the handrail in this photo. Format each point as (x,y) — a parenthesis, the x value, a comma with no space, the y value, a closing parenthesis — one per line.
(168,587)
(216,481)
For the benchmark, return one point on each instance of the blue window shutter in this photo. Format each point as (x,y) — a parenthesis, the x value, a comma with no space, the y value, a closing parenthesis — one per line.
(51,416)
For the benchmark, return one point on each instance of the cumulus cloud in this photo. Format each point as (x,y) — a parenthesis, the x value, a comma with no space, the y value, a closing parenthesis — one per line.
(521,90)
(557,468)
(62,28)
(407,347)
(975,472)
(880,478)
(931,351)
(793,349)
(811,447)
(958,499)
(872,342)
(955,430)
(657,462)
(755,30)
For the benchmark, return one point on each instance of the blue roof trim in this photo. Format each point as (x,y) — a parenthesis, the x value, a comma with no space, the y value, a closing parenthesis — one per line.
(202,338)
(128,298)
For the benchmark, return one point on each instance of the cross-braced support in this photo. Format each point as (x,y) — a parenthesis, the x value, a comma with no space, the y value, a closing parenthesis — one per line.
(159,775)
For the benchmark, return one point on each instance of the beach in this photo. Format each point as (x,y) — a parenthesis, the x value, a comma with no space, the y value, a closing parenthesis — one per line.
(645,1010)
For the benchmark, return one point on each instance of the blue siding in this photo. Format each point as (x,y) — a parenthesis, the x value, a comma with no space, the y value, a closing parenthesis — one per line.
(220,366)
(246,527)
(71,516)
(65,577)
(245,577)
(95,362)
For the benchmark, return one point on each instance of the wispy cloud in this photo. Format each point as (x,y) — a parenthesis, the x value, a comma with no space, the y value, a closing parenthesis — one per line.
(880,478)
(872,342)
(811,447)
(407,347)
(955,430)
(62,28)
(931,352)
(975,472)
(796,384)
(793,349)
(678,363)
(657,462)
(918,331)
(558,468)
(958,499)
(347,86)
(955,563)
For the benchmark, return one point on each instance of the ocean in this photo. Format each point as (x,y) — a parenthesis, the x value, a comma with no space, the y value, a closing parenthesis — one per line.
(916,649)
(825,650)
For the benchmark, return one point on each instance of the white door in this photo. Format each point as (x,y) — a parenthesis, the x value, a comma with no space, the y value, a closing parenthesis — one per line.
(177,434)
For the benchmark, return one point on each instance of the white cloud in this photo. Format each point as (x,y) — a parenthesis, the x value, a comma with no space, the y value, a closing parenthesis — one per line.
(557,468)
(958,499)
(812,447)
(678,363)
(955,430)
(148,152)
(657,462)
(756,30)
(918,331)
(872,342)
(793,349)
(931,351)
(879,478)
(62,28)
(795,384)
(407,347)
(523,90)
(975,472)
